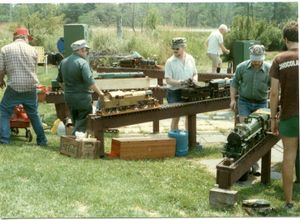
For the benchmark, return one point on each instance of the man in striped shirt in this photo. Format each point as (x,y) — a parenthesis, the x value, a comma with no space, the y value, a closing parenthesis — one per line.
(18,61)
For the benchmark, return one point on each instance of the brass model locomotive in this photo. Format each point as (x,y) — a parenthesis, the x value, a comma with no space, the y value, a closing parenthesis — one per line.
(118,102)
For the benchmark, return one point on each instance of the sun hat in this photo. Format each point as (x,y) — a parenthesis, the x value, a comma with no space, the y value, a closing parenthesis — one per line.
(178,42)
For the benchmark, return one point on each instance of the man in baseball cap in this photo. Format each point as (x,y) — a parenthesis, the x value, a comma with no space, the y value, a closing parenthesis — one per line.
(76,77)
(22,32)
(18,62)
(257,52)
(251,81)
(180,68)
(178,42)
(79,45)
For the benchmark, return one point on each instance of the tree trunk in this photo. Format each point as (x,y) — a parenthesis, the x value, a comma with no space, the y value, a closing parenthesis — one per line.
(186,14)
(133,17)
(119,24)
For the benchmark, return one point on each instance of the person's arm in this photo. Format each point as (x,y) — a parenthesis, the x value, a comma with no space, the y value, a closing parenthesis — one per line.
(274,100)
(59,77)
(195,72)
(233,93)
(2,81)
(174,82)
(2,71)
(224,49)
(95,88)
(234,86)
(206,43)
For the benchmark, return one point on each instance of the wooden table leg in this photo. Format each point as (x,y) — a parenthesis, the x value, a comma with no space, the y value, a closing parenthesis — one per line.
(192,131)
(156,126)
(297,166)
(266,168)
(99,134)
(62,111)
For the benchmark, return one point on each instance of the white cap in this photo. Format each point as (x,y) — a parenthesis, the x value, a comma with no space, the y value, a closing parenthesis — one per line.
(257,52)
(223,27)
(79,44)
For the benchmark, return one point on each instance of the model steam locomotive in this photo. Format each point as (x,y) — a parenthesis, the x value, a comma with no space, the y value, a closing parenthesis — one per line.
(246,135)
(118,102)
(215,88)
(138,63)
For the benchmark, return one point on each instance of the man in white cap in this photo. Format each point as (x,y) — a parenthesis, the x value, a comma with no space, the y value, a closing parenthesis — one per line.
(252,82)
(76,77)
(215,47)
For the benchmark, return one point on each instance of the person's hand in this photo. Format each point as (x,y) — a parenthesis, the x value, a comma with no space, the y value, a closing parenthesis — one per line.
(101,97)
(227,51)
(2,84)
(186,82)
(274,127)
(232,105)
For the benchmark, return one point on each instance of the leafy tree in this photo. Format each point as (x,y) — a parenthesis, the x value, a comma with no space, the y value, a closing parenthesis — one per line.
(45,22)
(73,11)
(245,28)
(152,19)
(5,10)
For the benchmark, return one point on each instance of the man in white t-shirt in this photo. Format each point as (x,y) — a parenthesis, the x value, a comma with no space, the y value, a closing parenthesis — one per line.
(215,47)
(179,69)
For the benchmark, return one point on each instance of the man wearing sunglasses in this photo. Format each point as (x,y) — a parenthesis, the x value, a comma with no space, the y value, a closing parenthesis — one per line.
(179,69)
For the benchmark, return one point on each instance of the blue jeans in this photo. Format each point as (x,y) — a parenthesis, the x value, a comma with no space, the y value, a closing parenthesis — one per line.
(10,99)
(246,108)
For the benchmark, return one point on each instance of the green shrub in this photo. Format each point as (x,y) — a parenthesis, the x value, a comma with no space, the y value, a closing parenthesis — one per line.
(247,28)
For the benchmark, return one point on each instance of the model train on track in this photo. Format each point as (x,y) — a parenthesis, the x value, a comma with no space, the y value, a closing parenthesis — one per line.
(246,135)
(215,88)
(118,102)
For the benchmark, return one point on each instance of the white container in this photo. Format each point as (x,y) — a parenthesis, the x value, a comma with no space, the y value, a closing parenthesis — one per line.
(61,129)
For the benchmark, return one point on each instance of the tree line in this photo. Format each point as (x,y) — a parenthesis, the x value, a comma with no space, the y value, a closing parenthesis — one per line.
(150,15)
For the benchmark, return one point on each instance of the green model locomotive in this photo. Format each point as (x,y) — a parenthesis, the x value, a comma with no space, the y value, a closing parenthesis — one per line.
(246,135)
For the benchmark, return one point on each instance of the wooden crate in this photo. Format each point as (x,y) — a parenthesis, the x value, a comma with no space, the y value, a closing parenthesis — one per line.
(135,148)
(87,148)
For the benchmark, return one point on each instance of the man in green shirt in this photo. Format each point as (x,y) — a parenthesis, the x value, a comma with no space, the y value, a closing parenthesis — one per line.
(251,81)
(76,77)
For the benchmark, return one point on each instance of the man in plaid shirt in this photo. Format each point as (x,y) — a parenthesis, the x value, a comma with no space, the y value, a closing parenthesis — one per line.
(18,61)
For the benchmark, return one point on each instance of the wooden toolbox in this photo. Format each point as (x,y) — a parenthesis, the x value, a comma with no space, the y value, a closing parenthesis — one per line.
(87,148)
(135,148)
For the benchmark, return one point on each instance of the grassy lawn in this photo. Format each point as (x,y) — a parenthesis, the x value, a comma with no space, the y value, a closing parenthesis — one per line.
(40,182)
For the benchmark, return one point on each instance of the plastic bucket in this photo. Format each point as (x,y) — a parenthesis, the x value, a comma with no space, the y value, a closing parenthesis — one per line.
(182,142)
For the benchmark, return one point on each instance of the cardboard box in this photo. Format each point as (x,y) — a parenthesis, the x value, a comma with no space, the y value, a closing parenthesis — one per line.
(87,148)
(135,148)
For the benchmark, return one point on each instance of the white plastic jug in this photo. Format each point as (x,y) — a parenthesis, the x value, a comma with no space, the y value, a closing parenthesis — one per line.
(61,129)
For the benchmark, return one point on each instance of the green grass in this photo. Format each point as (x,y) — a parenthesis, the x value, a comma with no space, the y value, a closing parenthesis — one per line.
(40,182)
